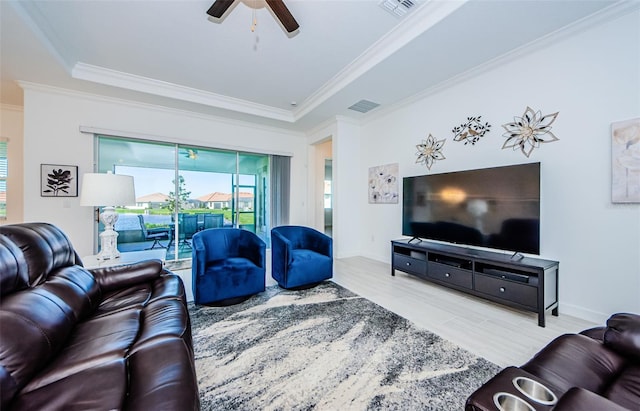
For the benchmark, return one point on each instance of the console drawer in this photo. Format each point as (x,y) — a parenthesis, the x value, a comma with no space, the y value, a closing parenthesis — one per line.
(508,290)
(450,275)
(409,265)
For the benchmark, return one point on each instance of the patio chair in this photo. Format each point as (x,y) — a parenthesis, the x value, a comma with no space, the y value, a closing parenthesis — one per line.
(188,227)
(155,234)
(213,221)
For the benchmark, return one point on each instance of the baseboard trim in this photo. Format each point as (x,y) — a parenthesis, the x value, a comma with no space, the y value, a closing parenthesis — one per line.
(583,313)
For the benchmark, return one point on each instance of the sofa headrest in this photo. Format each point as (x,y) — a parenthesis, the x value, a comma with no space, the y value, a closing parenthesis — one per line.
(44,246)
(623,334)
(14,273)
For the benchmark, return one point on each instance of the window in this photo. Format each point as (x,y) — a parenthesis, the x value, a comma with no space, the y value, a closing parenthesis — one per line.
(177,184)
(3,178)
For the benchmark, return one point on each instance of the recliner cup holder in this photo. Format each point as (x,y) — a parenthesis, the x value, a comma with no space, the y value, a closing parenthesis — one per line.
(509,402)
(535,391)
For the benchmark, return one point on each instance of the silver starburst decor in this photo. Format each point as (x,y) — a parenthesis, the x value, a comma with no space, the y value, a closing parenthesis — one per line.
(471,131)
(529,131)
(429,151)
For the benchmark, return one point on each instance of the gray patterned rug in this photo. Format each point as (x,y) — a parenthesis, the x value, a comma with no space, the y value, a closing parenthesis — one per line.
(326,348)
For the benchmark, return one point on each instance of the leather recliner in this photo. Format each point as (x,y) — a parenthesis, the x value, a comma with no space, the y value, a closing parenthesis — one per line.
(75,339)
(597,369)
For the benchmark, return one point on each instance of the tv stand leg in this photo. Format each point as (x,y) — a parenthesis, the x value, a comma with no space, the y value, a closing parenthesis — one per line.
(555,312)
(541,321)
(393,272)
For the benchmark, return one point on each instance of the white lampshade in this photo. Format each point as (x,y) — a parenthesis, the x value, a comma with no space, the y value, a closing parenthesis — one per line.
(100,189)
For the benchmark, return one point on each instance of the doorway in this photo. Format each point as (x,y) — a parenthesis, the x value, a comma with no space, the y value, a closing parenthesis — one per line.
(328,197)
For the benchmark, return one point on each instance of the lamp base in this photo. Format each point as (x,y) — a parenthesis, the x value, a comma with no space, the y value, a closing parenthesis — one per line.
(108,245)
(109,237)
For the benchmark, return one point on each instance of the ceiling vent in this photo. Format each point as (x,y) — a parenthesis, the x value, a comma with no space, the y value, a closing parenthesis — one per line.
(363,106)
(397,7)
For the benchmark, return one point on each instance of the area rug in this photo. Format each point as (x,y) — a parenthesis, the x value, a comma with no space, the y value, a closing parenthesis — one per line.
(326,348)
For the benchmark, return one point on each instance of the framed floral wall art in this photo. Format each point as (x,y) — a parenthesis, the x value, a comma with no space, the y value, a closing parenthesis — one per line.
(625,161)
(383,184)
(58,180)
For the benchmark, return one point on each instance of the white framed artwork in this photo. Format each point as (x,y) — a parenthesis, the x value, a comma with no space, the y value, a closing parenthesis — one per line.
(383,184)
(625,161)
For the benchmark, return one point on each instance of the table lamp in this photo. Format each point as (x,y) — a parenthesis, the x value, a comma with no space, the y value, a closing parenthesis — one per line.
(107,190)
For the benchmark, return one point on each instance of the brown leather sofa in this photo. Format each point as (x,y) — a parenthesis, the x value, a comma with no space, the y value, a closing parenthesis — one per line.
(75,339)
(598,369)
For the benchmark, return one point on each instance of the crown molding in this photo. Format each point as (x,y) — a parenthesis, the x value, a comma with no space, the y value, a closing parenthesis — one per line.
(148,85)
(153,107)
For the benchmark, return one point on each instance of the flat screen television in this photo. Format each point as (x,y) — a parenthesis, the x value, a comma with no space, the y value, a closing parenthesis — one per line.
(495,207)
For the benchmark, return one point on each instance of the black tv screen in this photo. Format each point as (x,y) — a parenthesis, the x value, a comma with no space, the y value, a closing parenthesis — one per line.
(495,207)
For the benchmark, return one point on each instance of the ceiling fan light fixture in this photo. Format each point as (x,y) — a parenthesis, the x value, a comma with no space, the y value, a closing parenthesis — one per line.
(220,7)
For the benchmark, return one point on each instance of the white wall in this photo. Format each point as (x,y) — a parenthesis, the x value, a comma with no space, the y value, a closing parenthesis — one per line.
(11,127)
(51,135)
(348,190)
(592,79)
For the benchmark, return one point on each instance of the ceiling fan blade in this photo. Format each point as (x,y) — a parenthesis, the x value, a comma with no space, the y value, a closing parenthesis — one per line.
(218,8)
(283,14)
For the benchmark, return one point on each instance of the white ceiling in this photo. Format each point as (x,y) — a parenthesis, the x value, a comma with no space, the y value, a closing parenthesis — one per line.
(170,53)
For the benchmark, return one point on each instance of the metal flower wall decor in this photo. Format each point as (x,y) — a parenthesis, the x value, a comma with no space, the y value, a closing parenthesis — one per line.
(529,131)
(429,151)
(471,131)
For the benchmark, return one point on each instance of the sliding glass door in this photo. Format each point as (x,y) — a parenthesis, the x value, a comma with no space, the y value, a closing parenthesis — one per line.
(181,190)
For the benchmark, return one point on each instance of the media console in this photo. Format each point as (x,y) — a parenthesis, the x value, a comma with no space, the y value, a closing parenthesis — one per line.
(527,283)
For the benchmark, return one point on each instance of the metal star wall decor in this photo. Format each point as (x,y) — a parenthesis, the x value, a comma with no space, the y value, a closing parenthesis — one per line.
(471,131)
(529,131)
(429,151)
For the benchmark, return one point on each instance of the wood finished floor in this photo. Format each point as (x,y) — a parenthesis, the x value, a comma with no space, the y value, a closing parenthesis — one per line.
(502,335)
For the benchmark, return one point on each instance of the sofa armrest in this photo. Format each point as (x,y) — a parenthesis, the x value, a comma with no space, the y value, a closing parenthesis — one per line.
(114,278)
(623,334)
(579,399)
(575,360)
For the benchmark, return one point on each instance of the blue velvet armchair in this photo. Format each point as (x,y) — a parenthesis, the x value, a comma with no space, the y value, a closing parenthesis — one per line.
(228,265)
(300,256)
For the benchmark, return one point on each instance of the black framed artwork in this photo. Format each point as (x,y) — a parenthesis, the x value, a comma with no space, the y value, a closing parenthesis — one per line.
(58,180)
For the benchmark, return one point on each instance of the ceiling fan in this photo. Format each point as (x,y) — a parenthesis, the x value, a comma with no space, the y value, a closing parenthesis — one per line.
(190,153)
(219,7)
